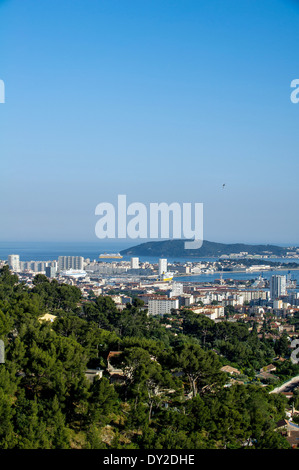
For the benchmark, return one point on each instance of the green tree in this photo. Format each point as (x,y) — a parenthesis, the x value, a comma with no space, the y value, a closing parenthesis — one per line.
(281,346)
(202,368)
(103,402)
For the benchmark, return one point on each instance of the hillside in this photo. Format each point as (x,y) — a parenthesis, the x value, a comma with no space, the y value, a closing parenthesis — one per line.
(175,248)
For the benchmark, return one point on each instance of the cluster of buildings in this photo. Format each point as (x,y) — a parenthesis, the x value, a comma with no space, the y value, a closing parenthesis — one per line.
(49,268)
(292,252)
(159,287)
(77,266)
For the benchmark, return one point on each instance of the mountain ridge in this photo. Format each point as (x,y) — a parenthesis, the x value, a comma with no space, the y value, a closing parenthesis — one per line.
(175,247)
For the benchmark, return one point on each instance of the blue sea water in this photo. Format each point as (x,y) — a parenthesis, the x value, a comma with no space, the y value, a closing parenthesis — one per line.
(46,251)
(238,276)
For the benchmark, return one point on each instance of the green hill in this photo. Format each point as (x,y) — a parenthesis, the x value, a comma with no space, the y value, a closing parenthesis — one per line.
(175,248)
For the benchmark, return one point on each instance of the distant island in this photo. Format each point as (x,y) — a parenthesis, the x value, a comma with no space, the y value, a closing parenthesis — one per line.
(175,248)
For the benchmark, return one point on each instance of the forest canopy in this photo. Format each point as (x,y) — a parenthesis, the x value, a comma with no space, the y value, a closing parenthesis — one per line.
(170,392)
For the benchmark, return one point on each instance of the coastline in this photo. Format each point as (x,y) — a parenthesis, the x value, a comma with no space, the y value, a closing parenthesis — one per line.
(235,271)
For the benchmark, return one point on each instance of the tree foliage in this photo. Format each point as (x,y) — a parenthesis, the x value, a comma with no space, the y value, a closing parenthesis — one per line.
(170,393)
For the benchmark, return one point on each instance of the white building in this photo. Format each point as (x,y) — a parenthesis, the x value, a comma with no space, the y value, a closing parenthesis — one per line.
(176,289)
(162,266)
(73,273)
(134,263)
(14,262)
(70,262)
(277,286)
(186,299)
(162,306)
(249,295)
(277,304)
(211,311)
(50,271)
(37,266)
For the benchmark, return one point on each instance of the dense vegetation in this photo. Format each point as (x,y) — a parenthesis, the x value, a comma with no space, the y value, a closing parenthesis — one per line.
(172,394)
(176,248)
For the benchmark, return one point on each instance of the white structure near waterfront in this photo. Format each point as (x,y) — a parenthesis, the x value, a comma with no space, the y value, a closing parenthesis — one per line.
(75,273)
(278,285)
(134,263)
(162,266)
(14,262)
(70,262)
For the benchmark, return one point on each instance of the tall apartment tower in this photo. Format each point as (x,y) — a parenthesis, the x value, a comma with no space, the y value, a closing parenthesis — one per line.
(134,263)
(70,262)
(277,286)
(177,289)
(51,271)
(14,262)
(162,266)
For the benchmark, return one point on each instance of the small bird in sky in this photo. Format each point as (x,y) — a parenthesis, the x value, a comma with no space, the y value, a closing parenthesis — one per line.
(223,186)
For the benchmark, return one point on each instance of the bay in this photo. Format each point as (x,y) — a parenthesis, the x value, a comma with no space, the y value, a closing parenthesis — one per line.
(46,251)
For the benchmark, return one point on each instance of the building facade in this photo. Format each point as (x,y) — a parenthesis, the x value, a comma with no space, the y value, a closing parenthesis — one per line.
(162,266)
(70,262)
(162,306)
(14,263)
(134,263)
(277,286)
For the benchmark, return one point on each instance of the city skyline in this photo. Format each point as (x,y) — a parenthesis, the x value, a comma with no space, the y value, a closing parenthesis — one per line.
(163,103)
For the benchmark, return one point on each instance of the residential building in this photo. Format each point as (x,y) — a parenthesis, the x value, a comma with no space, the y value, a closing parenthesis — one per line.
(51,271)
(37,266)
(186,299)
(70,262)
(162,266)
(230,370)
(277,286)
(176,289)
(210,311)
(161,306)
(134,263)
(14,263)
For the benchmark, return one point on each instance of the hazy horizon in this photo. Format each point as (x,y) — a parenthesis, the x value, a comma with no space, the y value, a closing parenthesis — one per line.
(132,242)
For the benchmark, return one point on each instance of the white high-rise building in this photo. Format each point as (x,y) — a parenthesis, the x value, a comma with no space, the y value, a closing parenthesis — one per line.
(70,262)
(162,266)
(177,289)
(277,286)
(134,263)
(14,263)
(50,271)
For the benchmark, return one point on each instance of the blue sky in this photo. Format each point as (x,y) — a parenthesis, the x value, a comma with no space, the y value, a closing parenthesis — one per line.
(160,100)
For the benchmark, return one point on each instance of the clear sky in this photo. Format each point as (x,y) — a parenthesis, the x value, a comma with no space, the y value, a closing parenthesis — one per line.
(161,100)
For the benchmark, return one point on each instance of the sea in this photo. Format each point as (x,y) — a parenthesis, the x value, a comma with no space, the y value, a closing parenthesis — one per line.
(48,251)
